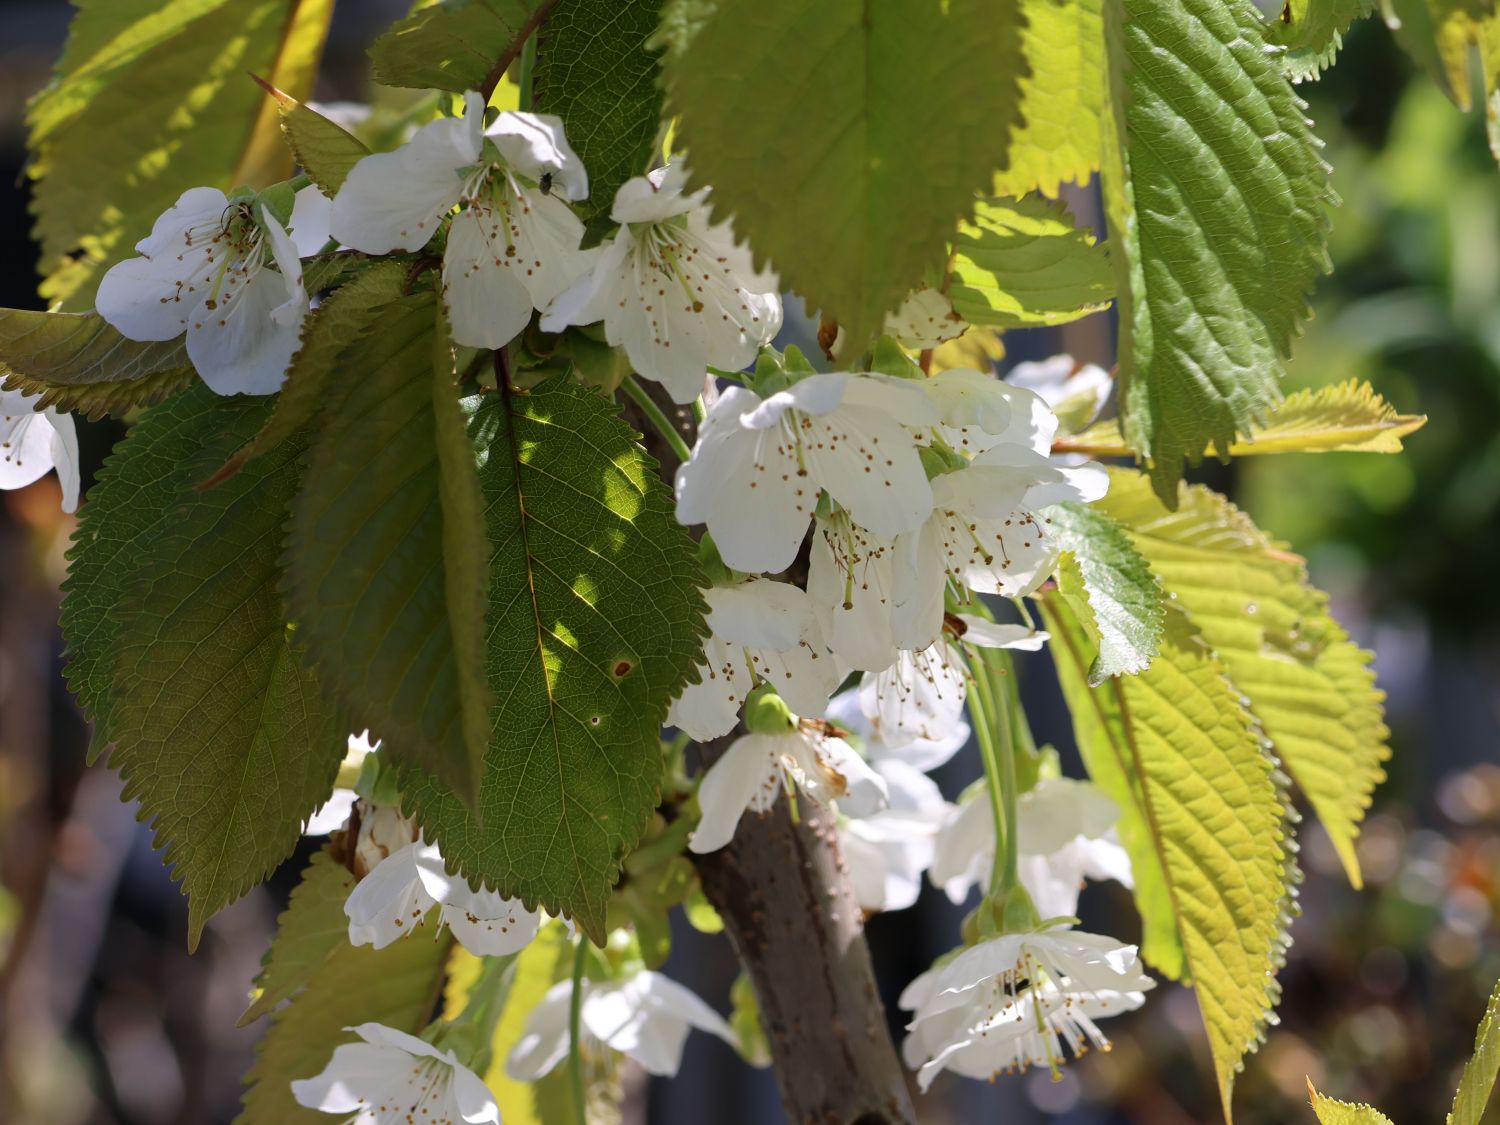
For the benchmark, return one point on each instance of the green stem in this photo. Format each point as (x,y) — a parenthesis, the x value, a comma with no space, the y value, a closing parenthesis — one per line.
(575,1033)
(656,417)
(981,711)
(1011,878)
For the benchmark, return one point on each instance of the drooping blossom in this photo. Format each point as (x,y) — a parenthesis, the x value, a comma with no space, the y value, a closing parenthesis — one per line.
(513,246)
(758,465)
(888,851)
(759,630)
(226,273)
(675,292)
(646,1017)
(845,711)
(392,1078)
(35,442)
(394,898)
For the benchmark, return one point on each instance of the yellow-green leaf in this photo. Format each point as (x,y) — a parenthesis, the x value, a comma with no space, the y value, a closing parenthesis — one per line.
(1479,1072)
(308,932)
(1331,1112)
(1346,417)
(1311,688)
(1207,793)
(325,150)
(1062,98)
(148,100)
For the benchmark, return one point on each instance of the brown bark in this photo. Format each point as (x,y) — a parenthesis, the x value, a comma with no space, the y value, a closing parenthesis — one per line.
(790,914)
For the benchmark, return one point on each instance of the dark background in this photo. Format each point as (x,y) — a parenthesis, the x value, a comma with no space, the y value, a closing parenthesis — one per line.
(104,1018)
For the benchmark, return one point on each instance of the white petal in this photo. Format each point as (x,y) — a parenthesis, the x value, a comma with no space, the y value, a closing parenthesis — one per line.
(869,464)
(965,848)
(1060,808)
(152,297)
(924,320)
(534,144)
(380,1035)
(356,1076)
(848,779)
(987,634)
(649,199)
(395,200)
(587,299)
(748,775)
(921,696)
(545,1040)
(289,264)
(245,344)
(711,707)
(486,923)
(867,868)
(64,453)
(26,440)
(919,579)
(546,234)
(849,581)
(312,212)
(388,902)
(1084,483)
(487,302)
(331,814)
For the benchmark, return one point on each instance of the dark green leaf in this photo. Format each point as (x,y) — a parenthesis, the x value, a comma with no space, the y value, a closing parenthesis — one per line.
(594,71)
(595,621)
(381,550)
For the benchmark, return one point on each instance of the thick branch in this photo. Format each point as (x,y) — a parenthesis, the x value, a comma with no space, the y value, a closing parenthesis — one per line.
(790,914)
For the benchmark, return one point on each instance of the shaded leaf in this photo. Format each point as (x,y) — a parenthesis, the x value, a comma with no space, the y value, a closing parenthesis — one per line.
(846,138)
(1022,262)
(452,45)
(383,547)
(594,625)
(76,361)
(323,149)
(308,932)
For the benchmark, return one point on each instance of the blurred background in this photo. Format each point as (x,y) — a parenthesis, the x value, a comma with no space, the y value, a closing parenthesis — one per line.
(105,1019)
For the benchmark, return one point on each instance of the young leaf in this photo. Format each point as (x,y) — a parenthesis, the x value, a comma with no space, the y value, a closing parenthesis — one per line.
(455,45)
(1311,688)
(220,731)
(119,92)
(1022,262)
(76,361)
(1062,98)
(1217,200)
(323,149)
(1478,1079)
(595,620)
(1125,600)
(308,932)
(1312,31)
(384,545)
(1216,818)
(1331,1112)
(1346,417)
(848,137)
(399,986)
(350,310)
(594,71)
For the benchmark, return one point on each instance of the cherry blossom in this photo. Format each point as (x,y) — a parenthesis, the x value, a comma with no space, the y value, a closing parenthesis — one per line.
(35,442)
(887,851)
(675,292)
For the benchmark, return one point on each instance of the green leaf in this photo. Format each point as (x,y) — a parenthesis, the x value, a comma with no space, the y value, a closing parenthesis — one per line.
(323,149)
(1062,98)
(1217,200)
(76,361)
(1347,417)
(1332,1112)
(594,71)
(1215,816)
(349,311)
(1022,262)
(1312,31)
(385,554)
(150,99)
(220,731)
(308,932)
(595,624)
(1478,1079)
(1311,688)
(848,137)
(1123,597)
(452,45)
(399,986)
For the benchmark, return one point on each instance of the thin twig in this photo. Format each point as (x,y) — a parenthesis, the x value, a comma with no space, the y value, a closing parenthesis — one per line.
(517,45)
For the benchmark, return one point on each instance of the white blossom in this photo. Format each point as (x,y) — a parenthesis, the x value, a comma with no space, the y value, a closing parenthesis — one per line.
(920,698)
(394,898)
(675,292)
(646,1016)
(758,629)
(225,273)
(759,464)
(978,411)
(849,583)
(1028,1031)
(513,247)
(753,771)
(392,1078)
(844,710)
(333,813)
(924,319)
(1077,390)
(887,851)
(34,442)
(1065,834)
(996,983)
